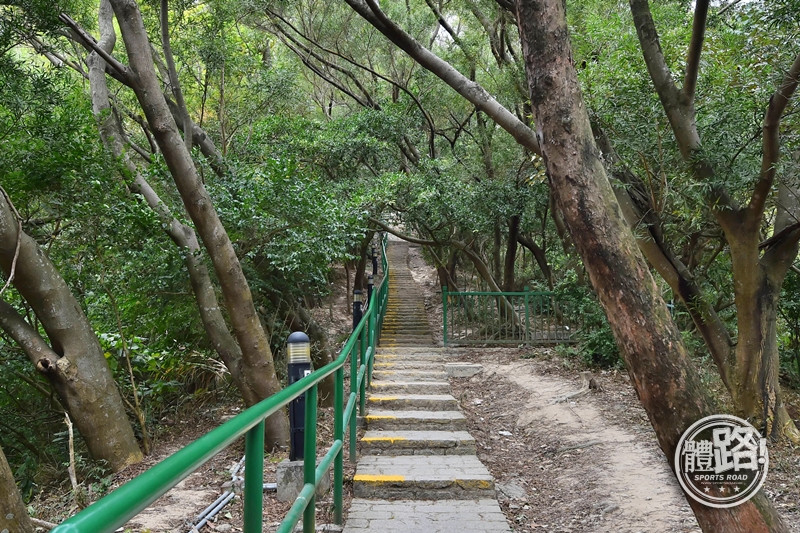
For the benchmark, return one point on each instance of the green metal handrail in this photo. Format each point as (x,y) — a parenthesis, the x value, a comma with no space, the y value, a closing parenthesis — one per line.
(118,507)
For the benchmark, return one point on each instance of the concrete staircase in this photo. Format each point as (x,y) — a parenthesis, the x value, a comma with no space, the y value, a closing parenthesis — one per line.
(418,472)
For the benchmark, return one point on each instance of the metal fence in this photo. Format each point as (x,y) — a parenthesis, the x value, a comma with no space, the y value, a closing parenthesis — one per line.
(529,317)
(118,507)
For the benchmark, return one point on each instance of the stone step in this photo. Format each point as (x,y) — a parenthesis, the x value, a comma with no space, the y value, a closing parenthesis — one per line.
(399,341)
(386,355)
(422,477)
(417,443)
(408,375)
(410,387)
(415,365)
(407,402)
(410,516)
(420,343)
(406,331)
(400,350)
(410,364)
(378,419)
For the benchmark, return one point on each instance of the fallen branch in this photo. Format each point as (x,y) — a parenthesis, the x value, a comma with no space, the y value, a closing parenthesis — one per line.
(587,383)
(77,493)
(42,523)
(578,446)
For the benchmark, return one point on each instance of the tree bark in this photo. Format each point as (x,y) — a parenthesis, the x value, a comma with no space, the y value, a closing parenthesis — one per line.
(258,369)
(651,345)
(13,514)
(360,279)
(510,259)
(73,361)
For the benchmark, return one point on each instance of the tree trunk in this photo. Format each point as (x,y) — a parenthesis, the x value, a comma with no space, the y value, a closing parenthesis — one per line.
(359,283)
(299,319)
(182,235)
(258,369)
(13,514)
(511,253)
(541,259)
(497,242)
(651,345)
(756,387)
(73,362)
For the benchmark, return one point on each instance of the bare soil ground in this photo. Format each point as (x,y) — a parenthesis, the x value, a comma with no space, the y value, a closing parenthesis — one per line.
(588,464)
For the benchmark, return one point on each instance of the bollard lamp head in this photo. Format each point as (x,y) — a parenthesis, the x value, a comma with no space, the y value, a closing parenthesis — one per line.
(298,348)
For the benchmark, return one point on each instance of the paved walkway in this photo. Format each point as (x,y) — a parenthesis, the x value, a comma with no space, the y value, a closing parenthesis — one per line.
(417,472)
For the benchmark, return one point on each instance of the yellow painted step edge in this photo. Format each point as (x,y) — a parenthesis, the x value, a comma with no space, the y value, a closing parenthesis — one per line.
(391,440)
(378,478)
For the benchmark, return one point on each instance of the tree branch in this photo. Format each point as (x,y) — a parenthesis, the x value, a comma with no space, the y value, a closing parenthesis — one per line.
(366,68)
(174,83)
(13,270)
(770,138)
(35,347)
(679,110)
(695,47)
(402,235)
(456,39)
(467,88)
(89,42)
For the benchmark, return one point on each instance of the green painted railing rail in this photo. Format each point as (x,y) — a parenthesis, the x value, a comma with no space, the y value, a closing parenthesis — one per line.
(118,507)
(522,317)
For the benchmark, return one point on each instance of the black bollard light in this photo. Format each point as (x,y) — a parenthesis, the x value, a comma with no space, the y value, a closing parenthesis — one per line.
(358,314)
(298,357)
(370,286)
(374,262)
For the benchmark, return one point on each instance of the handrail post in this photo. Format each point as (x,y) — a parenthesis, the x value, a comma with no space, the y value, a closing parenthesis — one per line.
(362,390)
(338,434)
(370,348)
(527,316)
(310,459)
(444,314)
(354,358)
(254,478)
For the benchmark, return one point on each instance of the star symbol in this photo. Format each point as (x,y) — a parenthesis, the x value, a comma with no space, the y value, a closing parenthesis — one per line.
(722,490)
(736,489)
(707,489)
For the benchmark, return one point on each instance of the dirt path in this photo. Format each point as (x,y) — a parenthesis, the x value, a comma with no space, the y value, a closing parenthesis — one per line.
(566,466)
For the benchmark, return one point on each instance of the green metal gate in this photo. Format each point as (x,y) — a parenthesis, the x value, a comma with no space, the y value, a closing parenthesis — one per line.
(528,317)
